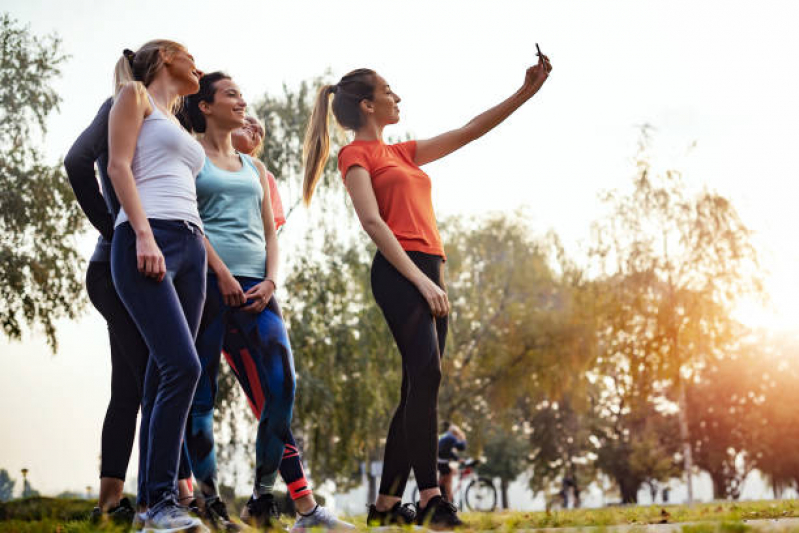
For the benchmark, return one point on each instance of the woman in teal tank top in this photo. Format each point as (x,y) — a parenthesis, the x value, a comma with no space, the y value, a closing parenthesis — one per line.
(241,316)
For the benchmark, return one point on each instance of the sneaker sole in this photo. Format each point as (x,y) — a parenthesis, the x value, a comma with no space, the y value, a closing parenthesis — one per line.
(195,528)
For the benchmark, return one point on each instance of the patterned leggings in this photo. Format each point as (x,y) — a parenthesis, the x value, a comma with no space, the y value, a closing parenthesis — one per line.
(257,348)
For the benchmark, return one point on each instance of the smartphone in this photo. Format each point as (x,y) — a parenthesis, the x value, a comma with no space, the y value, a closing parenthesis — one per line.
(539,50)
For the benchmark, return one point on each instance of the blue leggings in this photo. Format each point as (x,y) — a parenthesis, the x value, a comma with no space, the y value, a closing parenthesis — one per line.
(257,346)
(167,314)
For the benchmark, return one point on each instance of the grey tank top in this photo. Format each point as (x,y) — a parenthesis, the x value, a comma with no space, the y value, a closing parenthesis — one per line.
(165,165)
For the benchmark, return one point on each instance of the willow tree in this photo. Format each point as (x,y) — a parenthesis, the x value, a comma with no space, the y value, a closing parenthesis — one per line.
(40,267)
(691,258)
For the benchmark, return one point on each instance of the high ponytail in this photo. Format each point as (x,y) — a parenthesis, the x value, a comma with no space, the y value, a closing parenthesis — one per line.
(348,93)
(316,148)
(143,64)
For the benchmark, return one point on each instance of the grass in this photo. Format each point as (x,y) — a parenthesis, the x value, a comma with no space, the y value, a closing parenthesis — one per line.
(49,515)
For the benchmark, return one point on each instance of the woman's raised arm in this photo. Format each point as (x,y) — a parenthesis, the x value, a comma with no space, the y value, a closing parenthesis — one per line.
(429,150)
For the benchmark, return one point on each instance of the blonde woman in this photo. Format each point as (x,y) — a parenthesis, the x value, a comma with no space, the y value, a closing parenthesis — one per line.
(158,258)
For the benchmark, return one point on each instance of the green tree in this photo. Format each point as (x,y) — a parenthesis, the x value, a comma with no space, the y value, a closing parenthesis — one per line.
(6,486)
(690,257)
(521,319)
(506,457)
(39,218)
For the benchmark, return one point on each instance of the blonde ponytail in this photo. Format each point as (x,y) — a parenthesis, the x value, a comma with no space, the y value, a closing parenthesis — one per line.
(316,148)
(143,64)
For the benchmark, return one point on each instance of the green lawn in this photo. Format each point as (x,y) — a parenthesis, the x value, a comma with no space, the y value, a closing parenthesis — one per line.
(67,516)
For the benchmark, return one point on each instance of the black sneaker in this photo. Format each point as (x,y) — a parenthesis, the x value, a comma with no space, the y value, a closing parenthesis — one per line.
(262,513)
(438,514)
(122,514)
(215,515)
(399,515)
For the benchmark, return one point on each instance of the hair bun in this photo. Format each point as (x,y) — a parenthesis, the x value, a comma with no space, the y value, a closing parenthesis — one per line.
(334,89)
(130,55)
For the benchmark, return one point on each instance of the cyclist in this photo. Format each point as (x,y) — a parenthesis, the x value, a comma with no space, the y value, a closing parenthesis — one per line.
(453,439)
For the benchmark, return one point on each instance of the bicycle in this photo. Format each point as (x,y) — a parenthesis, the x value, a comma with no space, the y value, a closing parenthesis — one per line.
(471,491)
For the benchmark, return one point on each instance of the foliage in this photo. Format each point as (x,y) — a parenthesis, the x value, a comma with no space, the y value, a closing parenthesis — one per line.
(40,267)
(679,260)
(505,451)
(6,486)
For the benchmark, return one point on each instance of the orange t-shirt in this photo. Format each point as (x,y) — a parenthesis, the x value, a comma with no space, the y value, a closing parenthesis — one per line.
(402,189)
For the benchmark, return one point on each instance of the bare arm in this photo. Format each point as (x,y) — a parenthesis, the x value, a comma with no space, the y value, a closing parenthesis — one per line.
(262,293)
(124,124)
(359,186)
(429,150)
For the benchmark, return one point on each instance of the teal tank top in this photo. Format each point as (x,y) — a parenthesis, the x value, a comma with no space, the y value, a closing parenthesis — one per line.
(230,208)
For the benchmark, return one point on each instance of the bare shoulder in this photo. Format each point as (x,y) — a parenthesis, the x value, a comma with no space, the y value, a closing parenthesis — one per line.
(260,166)
(133,95)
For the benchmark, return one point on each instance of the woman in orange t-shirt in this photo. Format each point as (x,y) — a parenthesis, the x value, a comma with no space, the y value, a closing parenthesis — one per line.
(392,197)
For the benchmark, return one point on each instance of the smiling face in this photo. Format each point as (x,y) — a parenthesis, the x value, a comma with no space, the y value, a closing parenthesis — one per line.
(383,107)
(179,63)
(228,109)
(249,137)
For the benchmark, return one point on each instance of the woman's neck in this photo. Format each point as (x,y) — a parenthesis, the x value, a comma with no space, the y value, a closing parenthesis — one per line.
(369,132)
(164,93)
(218,141)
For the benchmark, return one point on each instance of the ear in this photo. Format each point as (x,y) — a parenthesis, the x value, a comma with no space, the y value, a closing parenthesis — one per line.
(367,106)
(205,107)
(166,56)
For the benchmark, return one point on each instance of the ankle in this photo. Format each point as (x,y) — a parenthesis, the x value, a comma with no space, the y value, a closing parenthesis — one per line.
(305,505)
(385,503)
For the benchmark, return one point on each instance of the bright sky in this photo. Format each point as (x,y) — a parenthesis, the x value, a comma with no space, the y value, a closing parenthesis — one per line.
(721,73)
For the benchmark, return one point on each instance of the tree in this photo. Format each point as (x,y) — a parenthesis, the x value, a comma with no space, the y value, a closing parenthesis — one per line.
(506,457)
(521,319)
(691,257)
(727,426)
(39,218)
(6,486)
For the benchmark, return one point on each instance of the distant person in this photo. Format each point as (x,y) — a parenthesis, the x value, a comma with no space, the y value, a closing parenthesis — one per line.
(242,317)
(158,259)
(452,441)
(392,196)
(249,140)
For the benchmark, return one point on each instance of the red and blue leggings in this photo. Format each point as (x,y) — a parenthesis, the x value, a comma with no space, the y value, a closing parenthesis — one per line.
(257,348)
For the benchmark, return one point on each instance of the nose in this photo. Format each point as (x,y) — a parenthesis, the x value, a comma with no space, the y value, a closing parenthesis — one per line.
(397,99)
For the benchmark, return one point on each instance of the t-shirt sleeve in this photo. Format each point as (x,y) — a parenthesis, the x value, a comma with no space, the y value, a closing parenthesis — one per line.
(352,156)
(274,197)
(408,150)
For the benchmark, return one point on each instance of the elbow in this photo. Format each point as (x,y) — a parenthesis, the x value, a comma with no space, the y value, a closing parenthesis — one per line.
(116,169)
(371,225)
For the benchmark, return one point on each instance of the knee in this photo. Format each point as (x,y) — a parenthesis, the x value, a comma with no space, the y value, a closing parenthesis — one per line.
(427,377)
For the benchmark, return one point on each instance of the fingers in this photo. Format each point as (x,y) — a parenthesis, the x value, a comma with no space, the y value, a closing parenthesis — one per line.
(152,266)
(439,303)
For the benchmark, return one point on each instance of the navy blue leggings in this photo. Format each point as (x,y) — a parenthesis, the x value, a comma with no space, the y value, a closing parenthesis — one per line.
(167,314)
(257,347)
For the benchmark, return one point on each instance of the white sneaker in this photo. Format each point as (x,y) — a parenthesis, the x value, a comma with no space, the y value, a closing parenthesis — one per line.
(320,518)
(169,517)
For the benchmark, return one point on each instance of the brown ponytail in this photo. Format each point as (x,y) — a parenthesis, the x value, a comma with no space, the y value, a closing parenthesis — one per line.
(348,93)
(316,148)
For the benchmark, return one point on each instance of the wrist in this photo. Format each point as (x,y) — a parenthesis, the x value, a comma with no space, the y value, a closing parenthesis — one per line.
(272,281)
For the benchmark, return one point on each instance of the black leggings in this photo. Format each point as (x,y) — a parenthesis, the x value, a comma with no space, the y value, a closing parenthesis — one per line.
(412,439)
(129,356)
